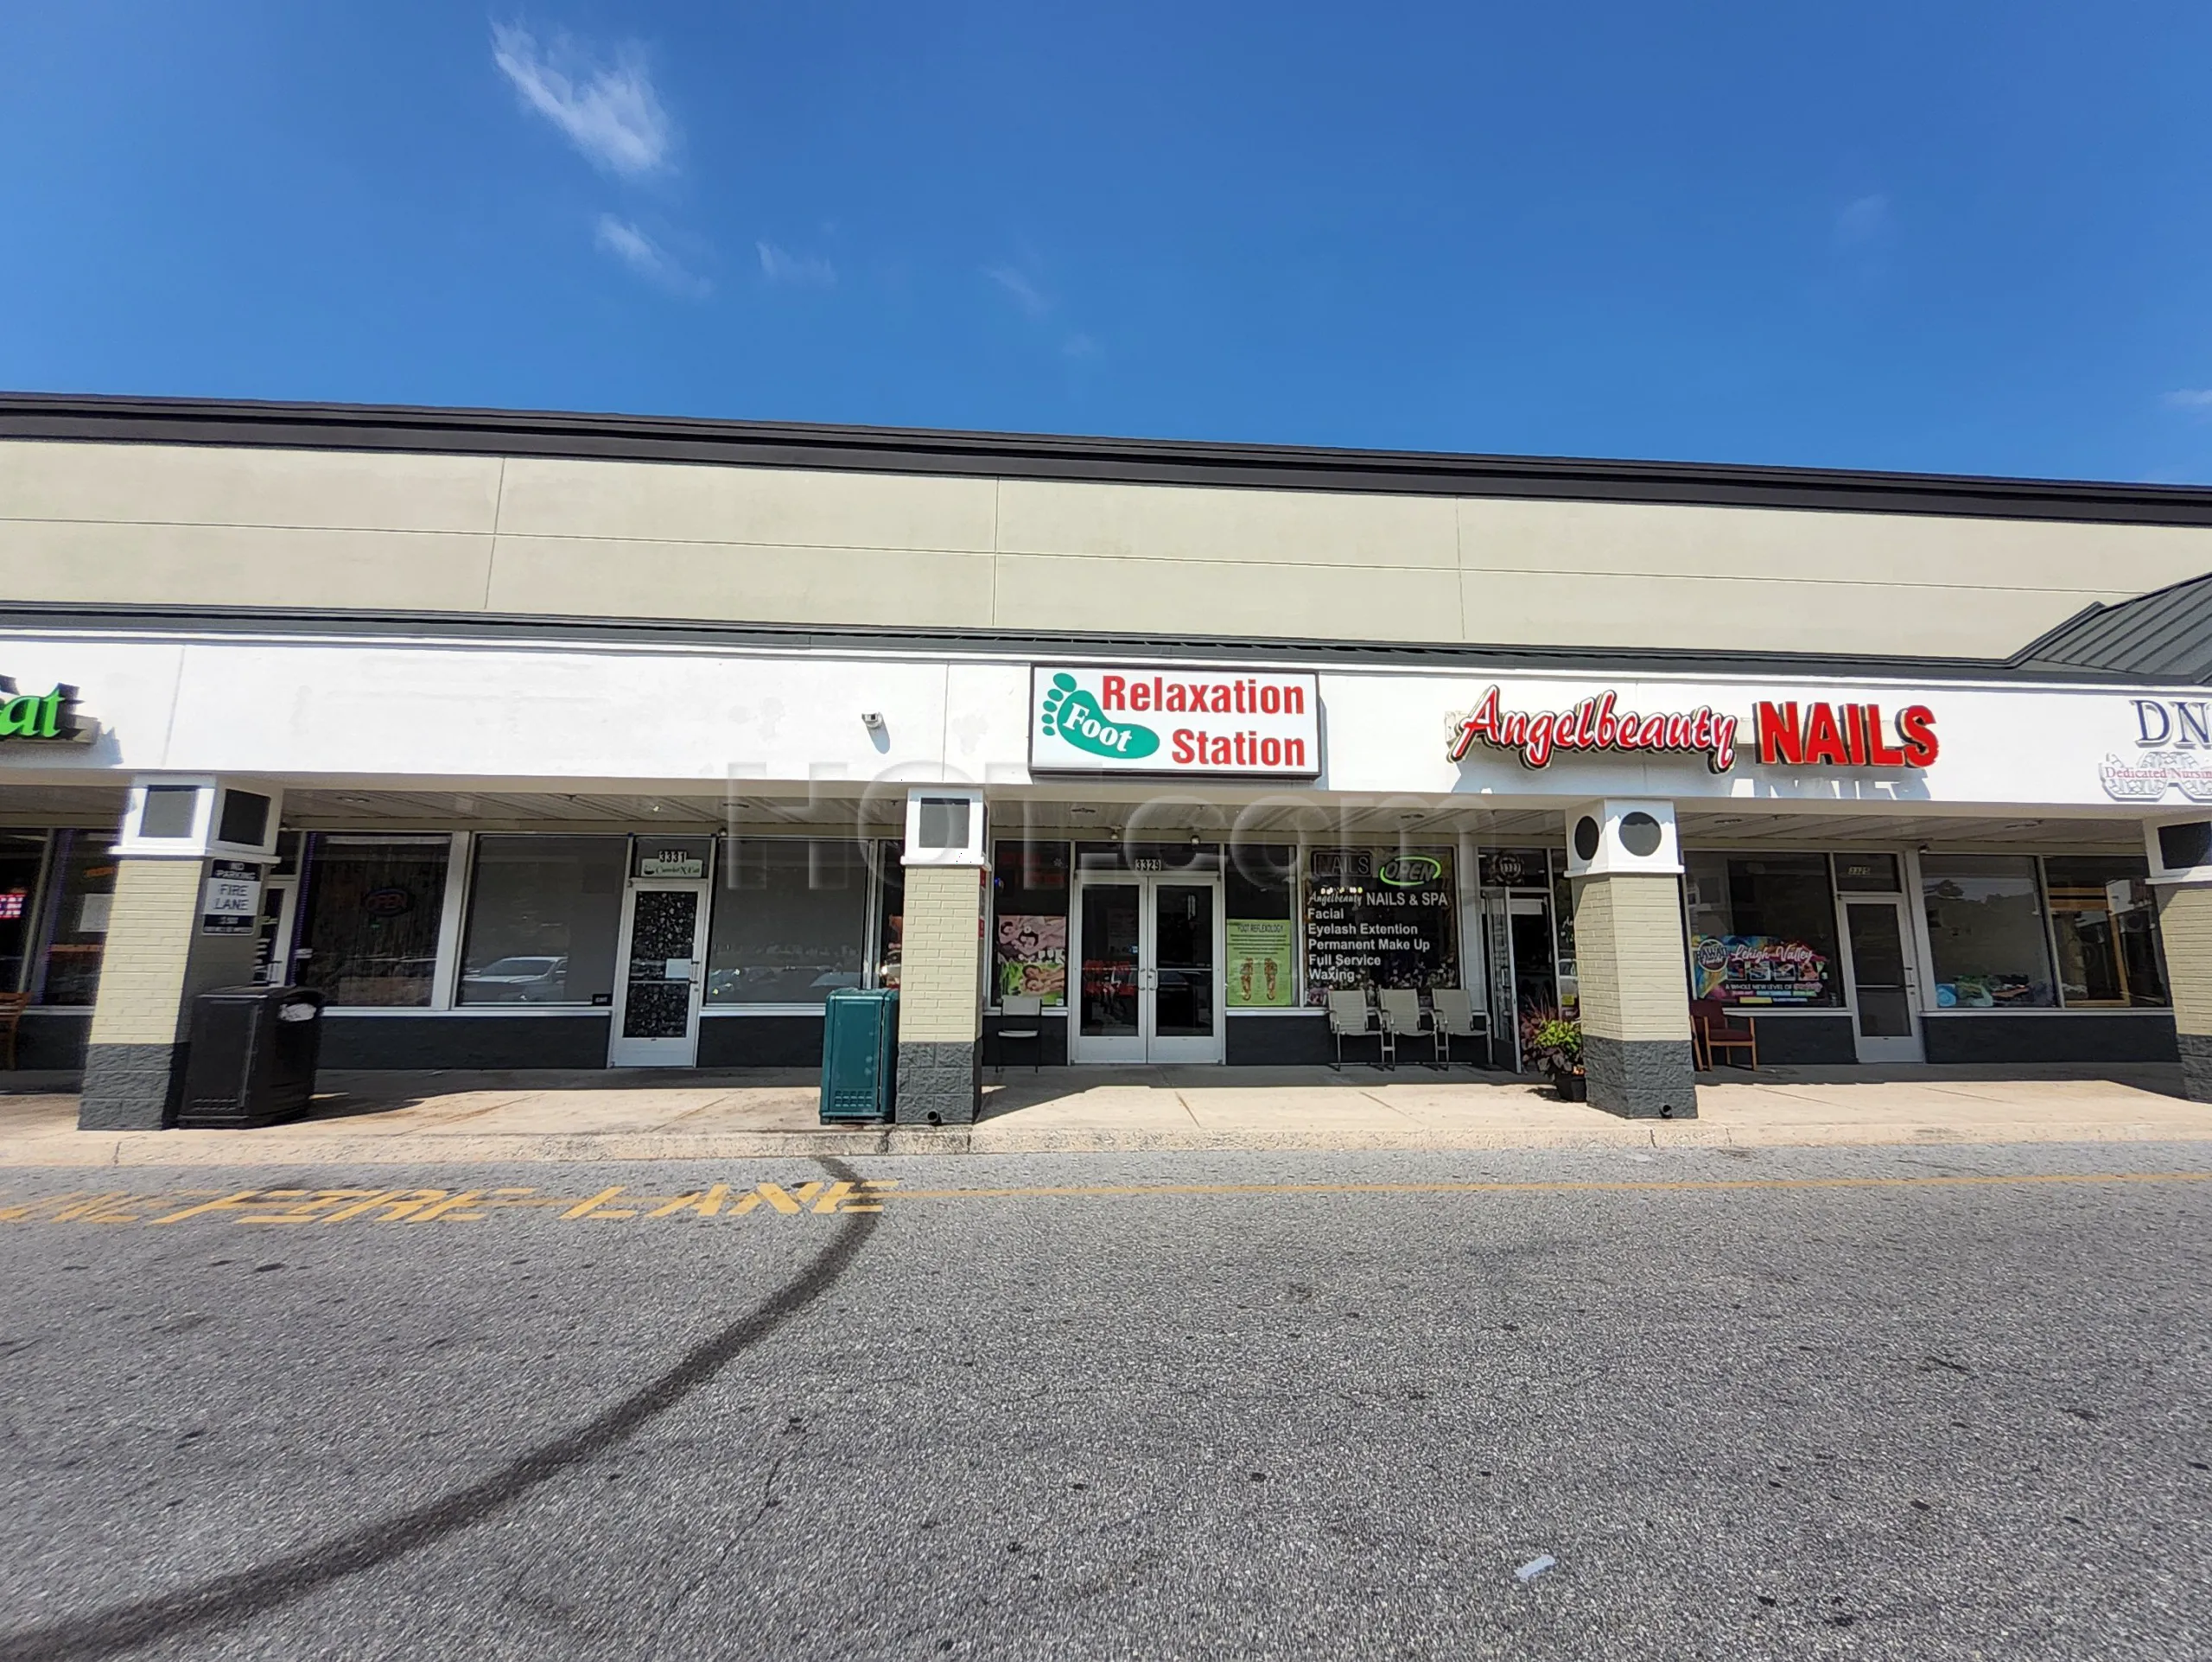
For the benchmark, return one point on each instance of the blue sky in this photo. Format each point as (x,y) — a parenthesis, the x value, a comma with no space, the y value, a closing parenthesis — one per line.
(1968,237)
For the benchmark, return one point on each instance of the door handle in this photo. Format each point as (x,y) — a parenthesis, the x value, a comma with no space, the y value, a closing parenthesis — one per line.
(1148,980)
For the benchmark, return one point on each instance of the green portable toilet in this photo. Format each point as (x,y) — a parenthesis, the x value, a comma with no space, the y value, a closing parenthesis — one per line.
(860,1053)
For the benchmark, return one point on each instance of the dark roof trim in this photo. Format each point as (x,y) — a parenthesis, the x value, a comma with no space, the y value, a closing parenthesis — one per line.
(26,616)
(2165,635)
(904,450)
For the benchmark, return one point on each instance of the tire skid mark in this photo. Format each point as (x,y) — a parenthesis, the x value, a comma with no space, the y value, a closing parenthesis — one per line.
(226,1601)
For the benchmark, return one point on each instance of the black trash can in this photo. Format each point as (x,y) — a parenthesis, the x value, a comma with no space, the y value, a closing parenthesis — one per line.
(252,1058)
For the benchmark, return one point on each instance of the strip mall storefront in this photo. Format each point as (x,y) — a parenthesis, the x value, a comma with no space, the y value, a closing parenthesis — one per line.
(552,848)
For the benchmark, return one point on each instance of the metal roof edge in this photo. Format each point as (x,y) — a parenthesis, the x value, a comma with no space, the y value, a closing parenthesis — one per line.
(94,418)
(23,616)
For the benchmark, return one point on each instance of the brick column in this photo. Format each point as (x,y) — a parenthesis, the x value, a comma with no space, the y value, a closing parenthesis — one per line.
(1625,865)
(2185,924)
(154,962)
(1635,1017)
(940,996)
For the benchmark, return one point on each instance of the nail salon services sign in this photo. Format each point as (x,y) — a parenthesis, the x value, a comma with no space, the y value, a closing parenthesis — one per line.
(1173,721)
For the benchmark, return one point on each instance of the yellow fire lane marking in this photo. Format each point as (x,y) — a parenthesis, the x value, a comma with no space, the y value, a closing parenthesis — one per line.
(279,1208)
(1115,1191)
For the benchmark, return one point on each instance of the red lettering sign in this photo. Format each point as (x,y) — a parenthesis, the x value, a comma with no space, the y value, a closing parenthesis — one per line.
(1822,736)
(1843,736)
(1595,724)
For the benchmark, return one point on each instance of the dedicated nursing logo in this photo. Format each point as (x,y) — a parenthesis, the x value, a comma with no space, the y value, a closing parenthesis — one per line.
(1073,715)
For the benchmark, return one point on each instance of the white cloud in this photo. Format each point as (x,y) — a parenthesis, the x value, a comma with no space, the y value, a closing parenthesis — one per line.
(779,265)
(609,111)
(1862,221)
(2190,398)
(1025,294)
(645,256)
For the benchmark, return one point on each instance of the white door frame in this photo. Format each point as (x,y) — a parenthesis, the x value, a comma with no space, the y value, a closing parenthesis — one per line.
(681,1052)
(1901,1048)
(1146,1044)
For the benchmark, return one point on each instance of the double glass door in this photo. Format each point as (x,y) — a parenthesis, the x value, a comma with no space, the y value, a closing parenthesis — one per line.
(663,961)
(1148,988)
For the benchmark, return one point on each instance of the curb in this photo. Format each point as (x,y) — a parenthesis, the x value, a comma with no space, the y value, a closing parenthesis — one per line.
(231,1149)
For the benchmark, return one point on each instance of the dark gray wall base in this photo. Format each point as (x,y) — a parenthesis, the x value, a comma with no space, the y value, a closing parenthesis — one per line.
(131,1087)
(1804,1040)
(372,1041)
(2196,1066)
(1285,1042)
(1048,1049)
(939,1084)
(53,1041)
(760,1041)
(1640,1079)
(2060,1036)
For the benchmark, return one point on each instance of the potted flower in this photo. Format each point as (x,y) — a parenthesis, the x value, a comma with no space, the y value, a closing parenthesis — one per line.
(1554,1043)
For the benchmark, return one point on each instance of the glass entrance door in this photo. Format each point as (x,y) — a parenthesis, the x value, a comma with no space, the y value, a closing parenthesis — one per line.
(1109,948)
(662,955)
(1186,988)
(1148,953)
(1524,977)
(1884,987)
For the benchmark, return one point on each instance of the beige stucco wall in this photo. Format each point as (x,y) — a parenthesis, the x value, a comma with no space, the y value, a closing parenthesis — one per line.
(118,523)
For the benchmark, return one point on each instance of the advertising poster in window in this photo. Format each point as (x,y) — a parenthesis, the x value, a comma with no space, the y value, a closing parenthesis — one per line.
(1758,970)
(1379,918)
(1032,957)
(1259,963)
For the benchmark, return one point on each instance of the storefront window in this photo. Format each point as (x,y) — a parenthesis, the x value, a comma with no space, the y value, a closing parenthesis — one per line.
(68,972)
(1762,930)
(1563,922)
(791,920)
(22,858)
(1867,874)
(1380,917)
(1515,868)
(890,911)
(542,916)
(1986,930)
(370,937)
(1029,897)
(2106,928)
(1259,889)
(76,918)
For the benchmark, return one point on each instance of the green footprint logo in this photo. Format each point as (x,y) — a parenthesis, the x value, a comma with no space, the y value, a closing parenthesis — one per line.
(1074,715)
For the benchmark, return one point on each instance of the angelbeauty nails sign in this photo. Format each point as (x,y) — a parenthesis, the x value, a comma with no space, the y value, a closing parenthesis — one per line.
(1171,720)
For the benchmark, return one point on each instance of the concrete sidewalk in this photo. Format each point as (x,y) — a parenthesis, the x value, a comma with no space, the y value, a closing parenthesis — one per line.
(440,1117)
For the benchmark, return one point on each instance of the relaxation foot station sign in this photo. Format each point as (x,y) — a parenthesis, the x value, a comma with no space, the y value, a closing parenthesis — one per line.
(1174,720)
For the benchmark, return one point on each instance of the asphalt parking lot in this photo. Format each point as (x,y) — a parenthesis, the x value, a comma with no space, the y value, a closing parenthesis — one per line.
(1874,1403)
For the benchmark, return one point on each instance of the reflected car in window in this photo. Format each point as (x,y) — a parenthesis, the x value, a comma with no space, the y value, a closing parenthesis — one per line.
(528,979)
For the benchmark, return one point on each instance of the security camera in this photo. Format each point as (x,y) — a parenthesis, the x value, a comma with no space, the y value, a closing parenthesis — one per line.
(872,720)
